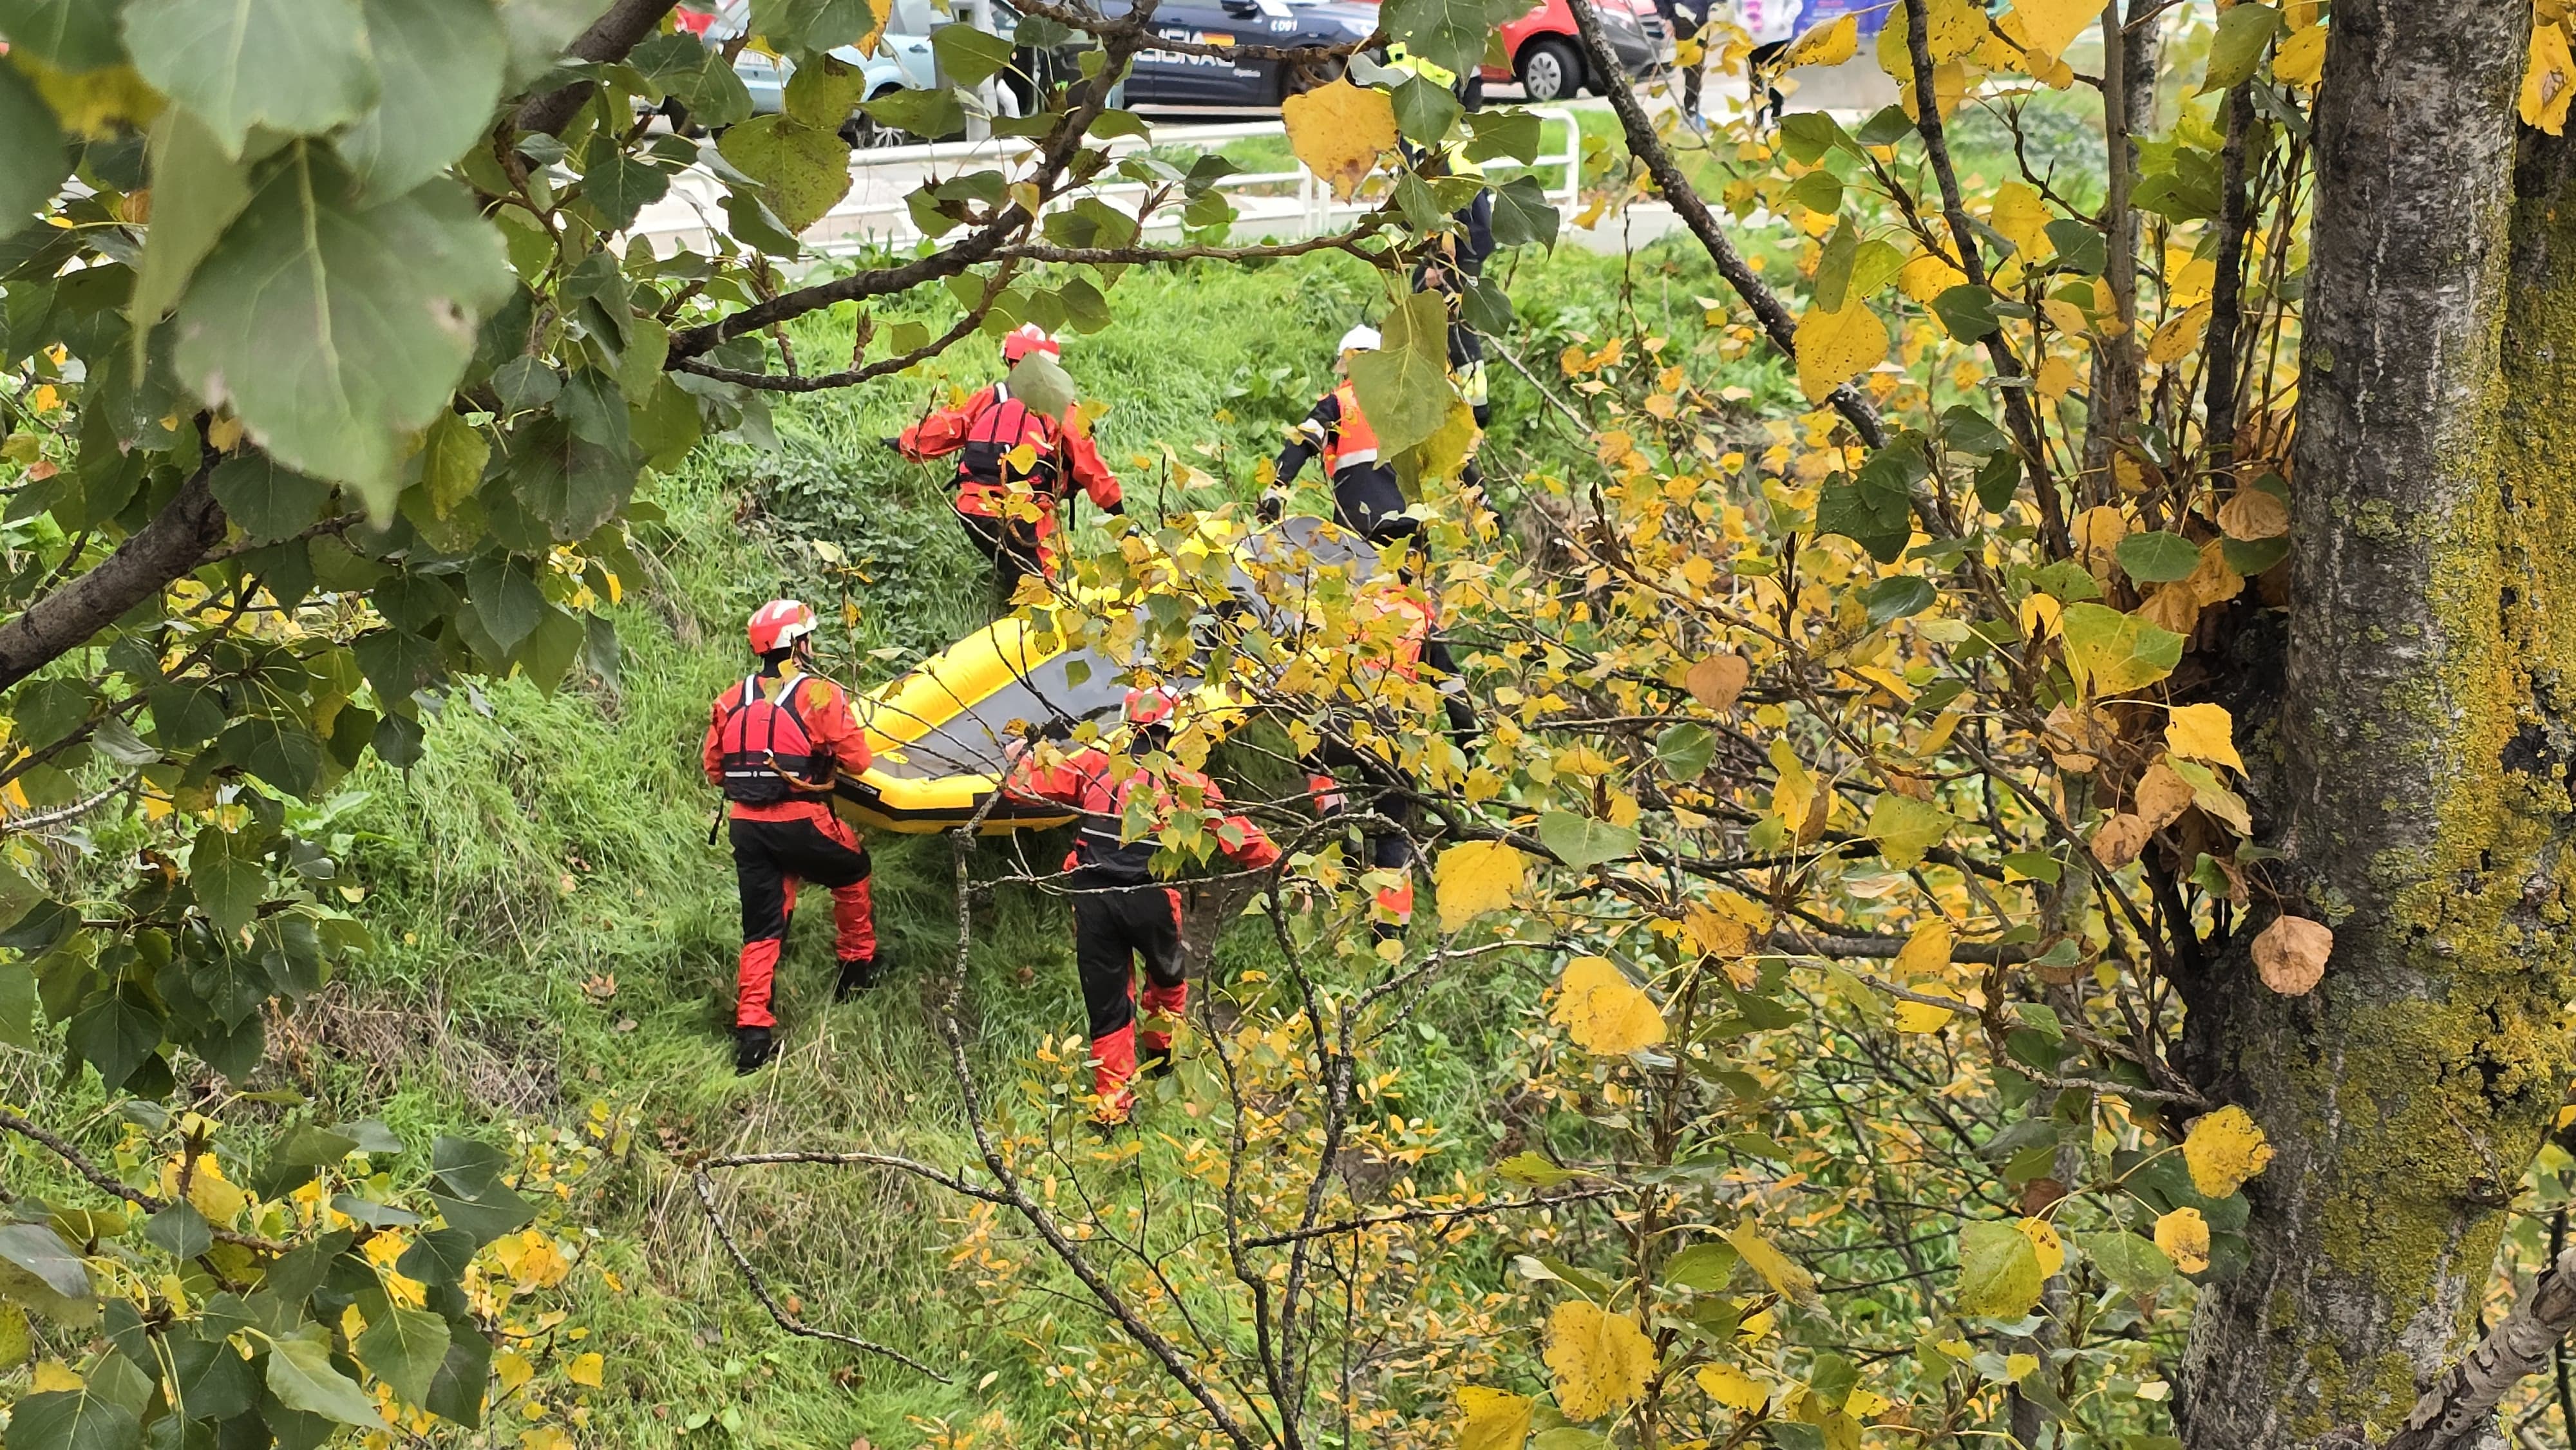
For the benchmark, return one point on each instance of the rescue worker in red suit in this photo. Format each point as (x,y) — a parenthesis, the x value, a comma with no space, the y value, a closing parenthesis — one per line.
(1393,625)
(1009,507)
(1120,912)
(774,743)
(1366,498)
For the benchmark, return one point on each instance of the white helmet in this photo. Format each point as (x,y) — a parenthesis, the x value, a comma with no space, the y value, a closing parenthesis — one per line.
(1362,338)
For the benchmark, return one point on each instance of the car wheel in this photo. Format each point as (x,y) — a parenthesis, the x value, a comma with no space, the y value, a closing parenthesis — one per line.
(1549,70)
(864,132)
(1296,78)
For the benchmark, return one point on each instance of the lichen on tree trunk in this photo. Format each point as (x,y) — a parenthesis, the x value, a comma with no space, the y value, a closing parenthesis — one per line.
(2422,756)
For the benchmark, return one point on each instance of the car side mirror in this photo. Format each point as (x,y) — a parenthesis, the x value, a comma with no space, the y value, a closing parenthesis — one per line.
(1243,9)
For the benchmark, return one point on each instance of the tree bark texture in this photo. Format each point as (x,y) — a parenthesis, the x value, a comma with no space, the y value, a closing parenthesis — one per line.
(177,540)
(2422,756)
(2128,105)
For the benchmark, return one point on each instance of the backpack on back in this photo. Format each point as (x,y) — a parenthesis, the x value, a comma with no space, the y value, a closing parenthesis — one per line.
(999,430)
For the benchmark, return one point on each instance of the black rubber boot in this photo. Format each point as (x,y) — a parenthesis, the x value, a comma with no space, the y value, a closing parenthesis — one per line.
(857,975)
(751,1048)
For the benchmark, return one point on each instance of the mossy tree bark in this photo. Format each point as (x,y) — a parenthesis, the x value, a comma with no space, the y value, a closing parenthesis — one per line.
(2427,721)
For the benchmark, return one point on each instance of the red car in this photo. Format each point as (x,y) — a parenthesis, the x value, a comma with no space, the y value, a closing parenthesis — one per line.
(1547,58)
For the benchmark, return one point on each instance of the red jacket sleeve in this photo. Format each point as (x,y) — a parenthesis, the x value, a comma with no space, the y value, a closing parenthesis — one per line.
(1089,471)
(709,756)
(1060,783)
(1244,843)
(943,431)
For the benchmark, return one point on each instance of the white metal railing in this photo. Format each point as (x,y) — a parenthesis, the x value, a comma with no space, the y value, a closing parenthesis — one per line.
(874,213)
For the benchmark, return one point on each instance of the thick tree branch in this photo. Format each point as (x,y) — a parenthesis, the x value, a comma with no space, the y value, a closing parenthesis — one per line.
(176,541)
(609,38)
(1649,148)
(106,1182)
(2452,1415)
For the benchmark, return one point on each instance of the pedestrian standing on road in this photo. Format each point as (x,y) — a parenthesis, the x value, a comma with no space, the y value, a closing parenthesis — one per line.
(1687,17)
(1773,25)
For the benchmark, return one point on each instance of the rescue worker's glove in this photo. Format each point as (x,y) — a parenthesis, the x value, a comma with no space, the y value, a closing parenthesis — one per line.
(1272,508)
(894,443)
(1119,507)
(1465,729)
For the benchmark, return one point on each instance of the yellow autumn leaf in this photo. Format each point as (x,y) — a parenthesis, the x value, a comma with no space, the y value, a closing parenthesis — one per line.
(1476,877)
(2052,25)
(2224,1149)
(1793,794)
(1920,1017)
(1828,44)
(1926,952)
(54,1377)
(1927,277)
(2549,82)
(2174,341)
(2045,1243)
(1603,1011)
(1599,1360)
(1338,131)
(2184,1236)
(1777,1269)
(1835,347)
(2203,732)
(2056,379)
(2301,59)
(2021,217)
(1495,1419)
(1732,1387)
(585,1369)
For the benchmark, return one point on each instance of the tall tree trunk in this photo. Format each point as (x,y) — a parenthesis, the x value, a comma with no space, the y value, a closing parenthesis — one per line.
(2128,112)
(2422,753)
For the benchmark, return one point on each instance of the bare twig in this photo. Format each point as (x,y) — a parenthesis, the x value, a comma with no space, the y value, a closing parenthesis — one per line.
(20,825)
(2453,1413)
(706,1188)
(1431,1215)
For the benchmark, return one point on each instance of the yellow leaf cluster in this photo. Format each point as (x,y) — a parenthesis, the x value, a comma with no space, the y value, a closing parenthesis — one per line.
(1599,1361)
(1835,347)
(1829,44)
(1733,1388)
(1494,1419)
(2223,1149)
(2049,26)
(1603,1011)
(2184,1236)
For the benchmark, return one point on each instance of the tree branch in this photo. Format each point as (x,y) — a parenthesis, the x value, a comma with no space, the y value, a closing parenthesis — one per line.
(173,543)
(609,38)
(706,1188)
(1429,1215)
(1649,148)
(107,1183)
(2452,1415)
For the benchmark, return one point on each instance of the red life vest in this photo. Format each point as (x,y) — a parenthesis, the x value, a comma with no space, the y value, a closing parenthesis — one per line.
(1355,441)
(765,751)
(1005,424)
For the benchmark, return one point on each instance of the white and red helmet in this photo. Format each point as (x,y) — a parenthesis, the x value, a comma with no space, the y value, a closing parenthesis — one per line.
(1027,338)
(1150,705)
(778,624)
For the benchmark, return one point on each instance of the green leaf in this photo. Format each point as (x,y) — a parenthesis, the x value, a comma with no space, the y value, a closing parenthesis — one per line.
(441,61)
(180,1231)
(1041,382)
(823,92)
(696,76)
(69,35)
(1404,385)
(2111,653)
(2250,559)
(336,328)
(34,162)
(811,24)
(1528,1166)
(41,1252)
(18,1005)
(1999,1274)
(1685,750)
(73,1420)
(214,1383)
(1424,112)
(2158,557)
(2243,33)
(469,1192)
(196,192)
(618,185)
(506,599)
(2080,246)
(969,55)
(1451,34)
(269,502)
(928,114)
(1898,596)
(1522,214)
(301,1375)
(1906,828)
(538,31)
(452,459)
(295,1160)
(2128,1261)
(1512,134)
(456,1394)
(1965,430)
(296,66)
(1703,1267)
(573,485)
(1967,312)
(1808,135)
(228,888)
(405,1349)
(116,1034)
(804,170)
(1582,842)
(439,1256)
(1819,190)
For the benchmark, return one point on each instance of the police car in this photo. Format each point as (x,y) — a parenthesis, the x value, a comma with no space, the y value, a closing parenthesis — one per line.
(1188,80)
